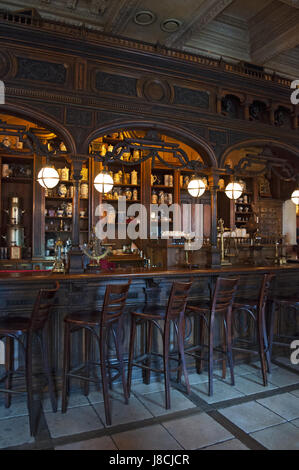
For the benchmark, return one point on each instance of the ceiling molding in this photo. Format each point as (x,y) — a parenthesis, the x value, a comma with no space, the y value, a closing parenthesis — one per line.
(291,3)
(121,13)
(206,13)
(273,31)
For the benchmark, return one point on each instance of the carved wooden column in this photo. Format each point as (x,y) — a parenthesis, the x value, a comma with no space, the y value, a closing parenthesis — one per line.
(214,254)
(247,102)
(75,256)
(218,103)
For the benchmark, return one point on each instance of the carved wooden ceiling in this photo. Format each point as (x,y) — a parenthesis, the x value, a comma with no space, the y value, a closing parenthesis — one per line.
(263,32)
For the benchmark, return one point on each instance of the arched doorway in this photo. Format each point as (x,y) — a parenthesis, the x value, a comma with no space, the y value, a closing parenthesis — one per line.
(268,170)
(20,165)
(160,181)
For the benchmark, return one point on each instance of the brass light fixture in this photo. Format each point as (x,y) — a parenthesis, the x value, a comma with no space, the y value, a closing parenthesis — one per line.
(233,190)
(103,182)
(196,187)
(48,177)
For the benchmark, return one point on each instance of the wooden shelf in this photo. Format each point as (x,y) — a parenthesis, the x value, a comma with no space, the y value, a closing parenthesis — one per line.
(123,185)
(17,180)
(58,231)
(58,198)
(161,186)
(116,200)
(57,217)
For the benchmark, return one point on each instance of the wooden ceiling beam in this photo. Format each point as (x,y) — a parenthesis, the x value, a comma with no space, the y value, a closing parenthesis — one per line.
(272,31)
(207,12)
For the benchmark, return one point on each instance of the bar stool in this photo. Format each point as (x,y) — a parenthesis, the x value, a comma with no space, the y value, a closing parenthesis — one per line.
(280,304)
(256,309)
(98,325)
(174,314)
(221,304)
(23,331)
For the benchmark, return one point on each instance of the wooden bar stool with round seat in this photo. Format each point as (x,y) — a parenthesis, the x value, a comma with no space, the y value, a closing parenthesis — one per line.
(23,330)
(174,314)
(281,305)
(257,311)
(98,324)
(221,305)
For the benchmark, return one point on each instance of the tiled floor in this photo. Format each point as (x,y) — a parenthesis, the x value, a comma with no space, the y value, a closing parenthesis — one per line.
(241,417)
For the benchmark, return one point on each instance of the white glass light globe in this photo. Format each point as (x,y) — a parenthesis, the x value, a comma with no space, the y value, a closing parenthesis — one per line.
(196,187)
(103,182)
(233,190)
(295,197)
(48,177)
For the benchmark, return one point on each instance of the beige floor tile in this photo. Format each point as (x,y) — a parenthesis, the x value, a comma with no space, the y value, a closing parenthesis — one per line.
(251,416)
(196,431)
(74,400)
(283,378)
(148,438)
(251,383)
(74,421)
(18,407)
(222,391)
(285,405)
(15,432)
(233,444)
(155,402)
(143,388)
(122,413)
(98,443)
(282,437)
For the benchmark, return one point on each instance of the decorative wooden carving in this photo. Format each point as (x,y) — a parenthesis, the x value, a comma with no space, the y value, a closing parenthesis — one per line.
(258,111)
(78,117)
(4,64)
(231,106)
(194,98)
(283,117)
(115,83)
(154,89)
(30,69)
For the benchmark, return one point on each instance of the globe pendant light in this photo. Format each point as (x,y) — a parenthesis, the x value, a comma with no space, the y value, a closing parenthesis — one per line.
(103,182)
(196,187)
(295,197)
(48,177)
(233,190)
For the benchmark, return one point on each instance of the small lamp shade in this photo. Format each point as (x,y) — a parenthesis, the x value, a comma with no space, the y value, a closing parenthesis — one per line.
(48,177)
(233,190)
(196,187)
(103,182)
(295,197)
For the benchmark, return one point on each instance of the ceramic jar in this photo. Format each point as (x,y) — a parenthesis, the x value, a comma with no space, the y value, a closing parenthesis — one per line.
(135,195)
(84,191)
(154,197)
(69,209)
(84,174)
(128,194)
(134,177)
(65,174)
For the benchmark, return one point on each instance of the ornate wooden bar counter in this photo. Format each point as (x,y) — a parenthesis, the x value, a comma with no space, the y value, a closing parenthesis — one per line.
(85,292)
